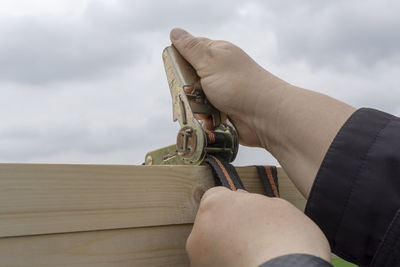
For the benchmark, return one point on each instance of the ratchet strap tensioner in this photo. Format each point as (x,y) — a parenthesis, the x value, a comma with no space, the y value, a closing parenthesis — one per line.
(215,144)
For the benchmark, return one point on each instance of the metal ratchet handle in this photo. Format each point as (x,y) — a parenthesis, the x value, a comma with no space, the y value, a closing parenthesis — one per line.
(186,95)
(188,101)
(188,98)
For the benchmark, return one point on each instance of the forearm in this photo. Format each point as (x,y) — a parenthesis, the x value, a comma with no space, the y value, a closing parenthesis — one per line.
(297,126)
(294,124)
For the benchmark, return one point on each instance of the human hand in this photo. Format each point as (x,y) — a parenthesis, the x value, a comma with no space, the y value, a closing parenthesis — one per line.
(232,81)
(242,229)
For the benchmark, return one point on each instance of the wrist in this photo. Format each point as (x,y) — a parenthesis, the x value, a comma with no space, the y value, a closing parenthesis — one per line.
(268,103)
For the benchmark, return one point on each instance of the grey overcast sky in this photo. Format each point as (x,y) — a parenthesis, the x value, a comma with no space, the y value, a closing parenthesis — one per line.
(82,81)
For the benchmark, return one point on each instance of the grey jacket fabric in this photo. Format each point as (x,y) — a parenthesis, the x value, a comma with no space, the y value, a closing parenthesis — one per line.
(297,260)
(355,198)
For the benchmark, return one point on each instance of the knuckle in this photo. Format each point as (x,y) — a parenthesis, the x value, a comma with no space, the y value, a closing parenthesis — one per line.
(222,45)
(213,192)
(203,39)
(281,204)
(191,43)
(212,197)
(280,201)
(221,51)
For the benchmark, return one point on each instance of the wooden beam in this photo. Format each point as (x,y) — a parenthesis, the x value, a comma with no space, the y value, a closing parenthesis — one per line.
(73,215)
(54,198)
(158,246)
(150,246)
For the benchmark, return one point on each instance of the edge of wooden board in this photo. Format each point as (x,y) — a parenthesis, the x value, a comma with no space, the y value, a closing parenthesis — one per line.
(59,198)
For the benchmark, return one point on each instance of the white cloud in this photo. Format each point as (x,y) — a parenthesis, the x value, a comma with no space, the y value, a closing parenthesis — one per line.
(22,8)
(83,81)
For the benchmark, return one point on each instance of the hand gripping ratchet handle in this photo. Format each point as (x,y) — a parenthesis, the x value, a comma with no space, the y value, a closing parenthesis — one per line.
(192,109)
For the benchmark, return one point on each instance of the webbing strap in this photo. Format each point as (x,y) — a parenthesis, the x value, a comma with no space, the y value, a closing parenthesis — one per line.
(225,174)
(269,178)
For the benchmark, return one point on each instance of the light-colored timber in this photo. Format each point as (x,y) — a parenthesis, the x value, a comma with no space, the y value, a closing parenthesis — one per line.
(106,215)
(159,246)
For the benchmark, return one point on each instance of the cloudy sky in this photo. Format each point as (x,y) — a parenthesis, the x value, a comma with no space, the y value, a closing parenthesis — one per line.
(82,81)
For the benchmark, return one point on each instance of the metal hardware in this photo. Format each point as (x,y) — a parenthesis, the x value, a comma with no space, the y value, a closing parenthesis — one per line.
(190,105)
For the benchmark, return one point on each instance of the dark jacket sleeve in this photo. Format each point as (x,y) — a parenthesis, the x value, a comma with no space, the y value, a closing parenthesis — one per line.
(355,198)
(297,260)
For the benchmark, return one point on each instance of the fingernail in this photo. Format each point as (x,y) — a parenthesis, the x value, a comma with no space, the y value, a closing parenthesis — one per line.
(241,191)
(177,33)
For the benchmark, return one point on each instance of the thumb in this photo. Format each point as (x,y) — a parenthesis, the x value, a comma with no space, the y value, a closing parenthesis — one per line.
(193,49)
(241,191)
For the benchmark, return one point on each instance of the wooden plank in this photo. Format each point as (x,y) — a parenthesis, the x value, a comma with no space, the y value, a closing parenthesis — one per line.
(38,199)
(159,246)
(54,198)
(149,246)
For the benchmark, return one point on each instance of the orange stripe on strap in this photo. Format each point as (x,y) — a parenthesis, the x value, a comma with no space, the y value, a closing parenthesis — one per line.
(228,177)
(211,136)
(271,181)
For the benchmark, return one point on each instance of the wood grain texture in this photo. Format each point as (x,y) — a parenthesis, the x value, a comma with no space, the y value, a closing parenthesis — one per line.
(160,246)
(54,198)
(73,215)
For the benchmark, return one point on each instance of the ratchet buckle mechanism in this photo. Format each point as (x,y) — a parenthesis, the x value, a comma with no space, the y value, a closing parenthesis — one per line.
(193,111)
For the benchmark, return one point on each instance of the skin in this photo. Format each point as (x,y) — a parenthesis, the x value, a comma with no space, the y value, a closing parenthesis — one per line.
(295,125)
(244,229)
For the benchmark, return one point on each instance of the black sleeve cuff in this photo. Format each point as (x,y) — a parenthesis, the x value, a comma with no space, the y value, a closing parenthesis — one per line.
(297,260)
(356,193)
